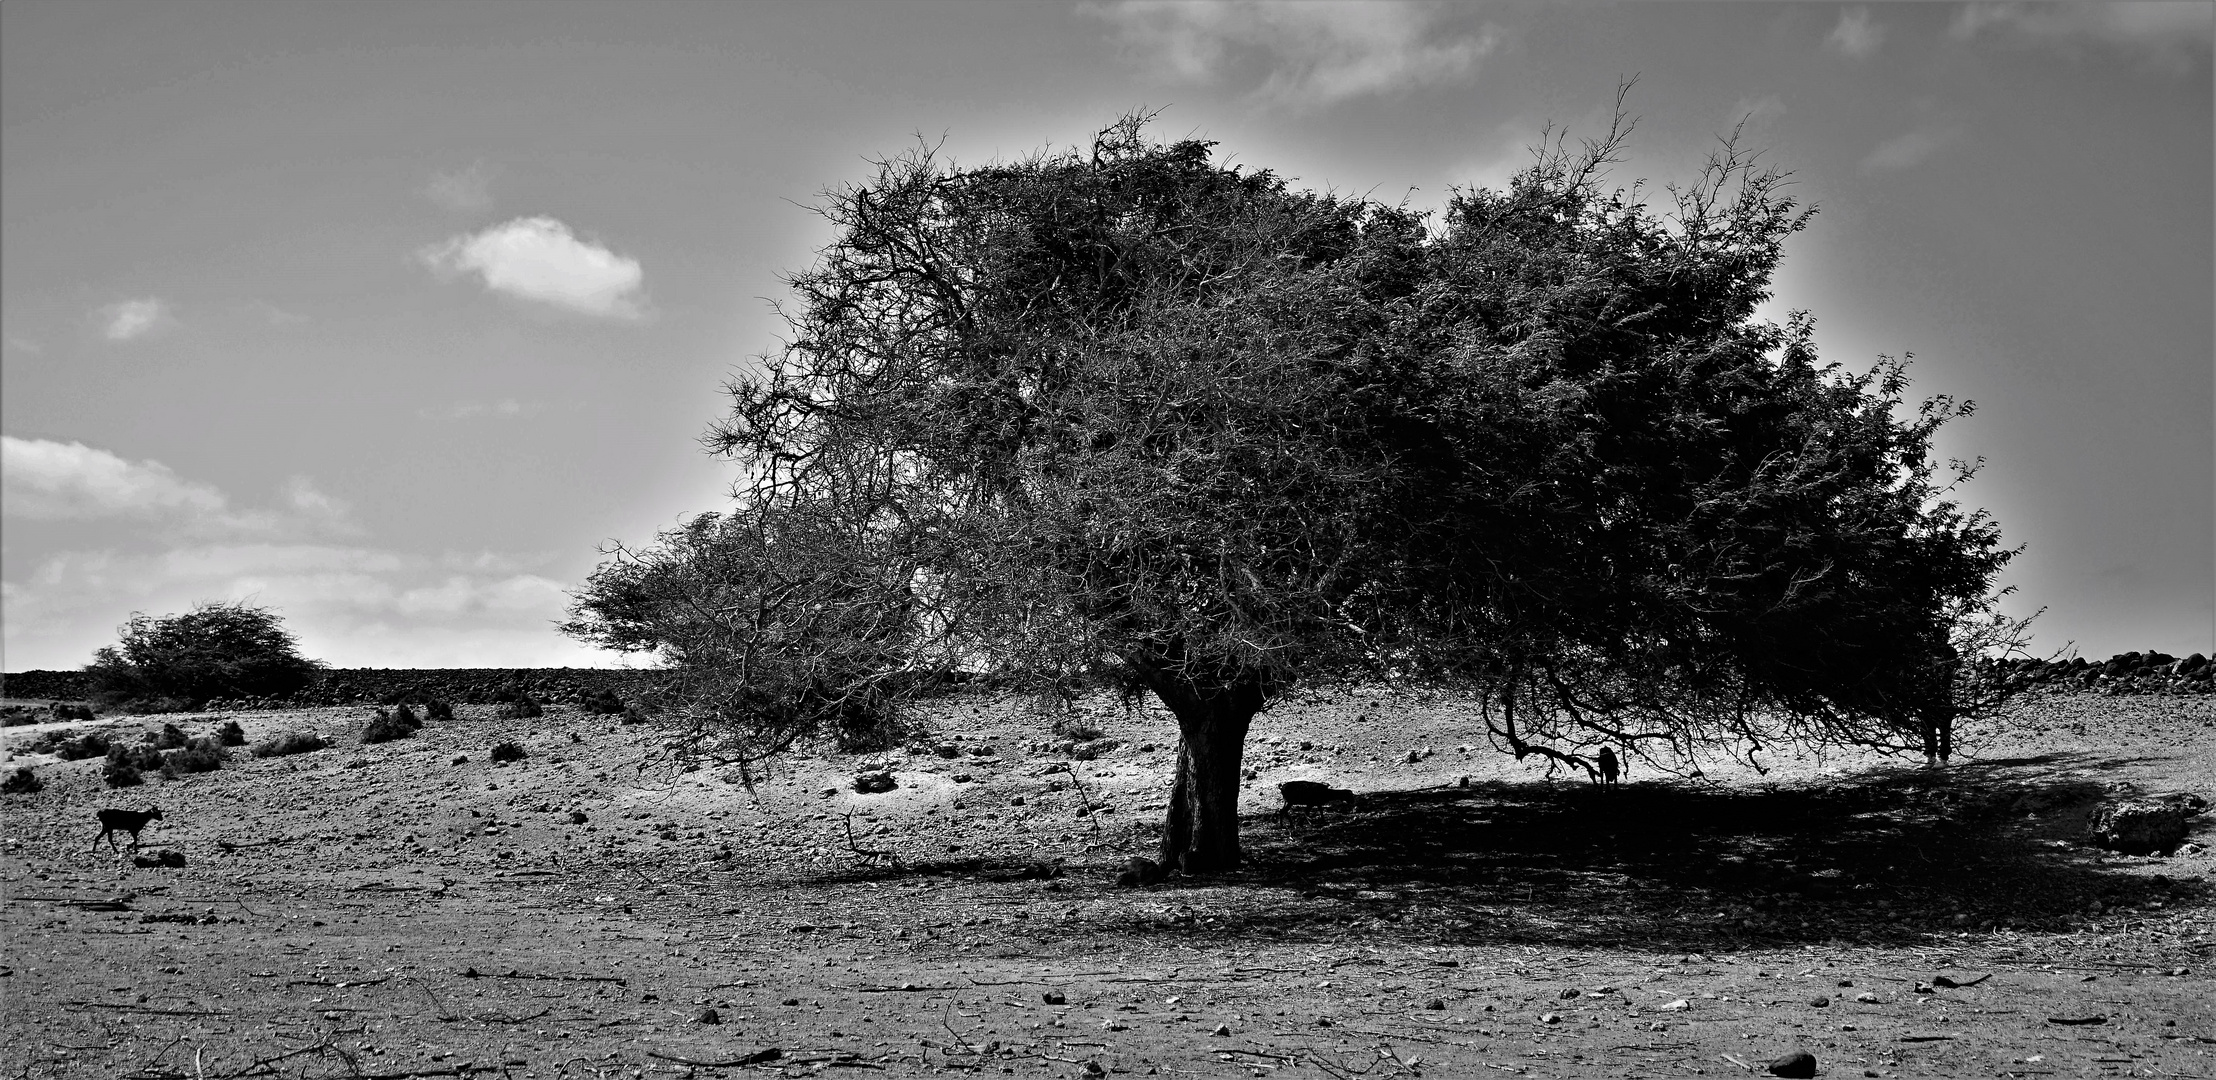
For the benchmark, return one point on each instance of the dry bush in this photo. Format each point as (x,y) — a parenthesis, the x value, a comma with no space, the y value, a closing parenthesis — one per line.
(507,752)
(197,756)
(231,734)
(438,710)
(90,744)
(21,782)
(171,737)
(387,726)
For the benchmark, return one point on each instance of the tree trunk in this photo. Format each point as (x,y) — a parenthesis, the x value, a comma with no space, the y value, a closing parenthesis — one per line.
(1201,835)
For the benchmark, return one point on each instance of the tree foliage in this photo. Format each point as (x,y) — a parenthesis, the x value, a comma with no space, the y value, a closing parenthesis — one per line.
(216,650)
(1135,414)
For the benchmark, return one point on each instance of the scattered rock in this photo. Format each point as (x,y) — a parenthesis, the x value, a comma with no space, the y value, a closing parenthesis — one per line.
(1820,1001)
(170,859)
(1567,994)
(709,1016)
(1550,1018)
(1435,1004)
(1055,997)
(871,783)
(1866,998)
(577,817)
(1221,1030)
(1952,983)
(1799,1063)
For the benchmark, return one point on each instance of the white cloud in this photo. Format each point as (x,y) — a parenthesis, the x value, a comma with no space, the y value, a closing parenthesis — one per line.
(466,191)
(23,345)
(2170,34)
(1313,53)
(1907,150)
(1857,34)
(45,480)
(540,259)
(504,409)
(131,319)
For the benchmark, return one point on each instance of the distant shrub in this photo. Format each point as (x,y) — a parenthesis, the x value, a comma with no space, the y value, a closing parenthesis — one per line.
(406,715)
(171,737)
(438,711)
(387,726)
(634,715)
(126,763)
(291,742)
(73,710)
(142,756)
(602,702)
(19,715)
(177,662)
(523,709)
(21,782)
(198,756)
(507,752)
(71,745)
(231,734)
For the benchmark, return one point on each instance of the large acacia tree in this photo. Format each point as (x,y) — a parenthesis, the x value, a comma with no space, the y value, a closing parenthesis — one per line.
(1126,411)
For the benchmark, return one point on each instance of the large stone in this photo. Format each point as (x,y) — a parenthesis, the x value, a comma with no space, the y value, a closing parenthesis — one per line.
(1799,1063)
(2137,826)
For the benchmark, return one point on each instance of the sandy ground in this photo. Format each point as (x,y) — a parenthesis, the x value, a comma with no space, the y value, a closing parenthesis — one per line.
(412,909)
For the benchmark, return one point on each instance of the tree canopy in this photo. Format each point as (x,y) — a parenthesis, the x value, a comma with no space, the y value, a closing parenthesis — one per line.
(216,650)
(1127,412)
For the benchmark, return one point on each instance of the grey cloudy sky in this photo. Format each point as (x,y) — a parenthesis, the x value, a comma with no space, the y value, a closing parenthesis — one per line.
(386,315)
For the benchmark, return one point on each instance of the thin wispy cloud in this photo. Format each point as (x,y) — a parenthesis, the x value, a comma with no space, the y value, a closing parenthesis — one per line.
(1754,112)
(1856,35)
(540,260)
(2171,34)
(1303,54)
(504,409)
(22,345)
(129,320)
(277,316)
(48,480)
(1907,150)
(465,191)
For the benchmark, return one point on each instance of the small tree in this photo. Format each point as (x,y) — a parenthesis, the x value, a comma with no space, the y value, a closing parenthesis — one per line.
(180,662)
(1129,414)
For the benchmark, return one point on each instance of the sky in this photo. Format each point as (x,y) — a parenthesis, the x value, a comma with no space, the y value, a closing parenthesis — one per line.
(389,316)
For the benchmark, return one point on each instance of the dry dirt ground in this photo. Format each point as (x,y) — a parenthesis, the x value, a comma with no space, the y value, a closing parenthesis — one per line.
(412,909)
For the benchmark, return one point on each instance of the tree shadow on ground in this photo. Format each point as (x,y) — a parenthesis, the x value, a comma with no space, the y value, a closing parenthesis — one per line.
(1884,857)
